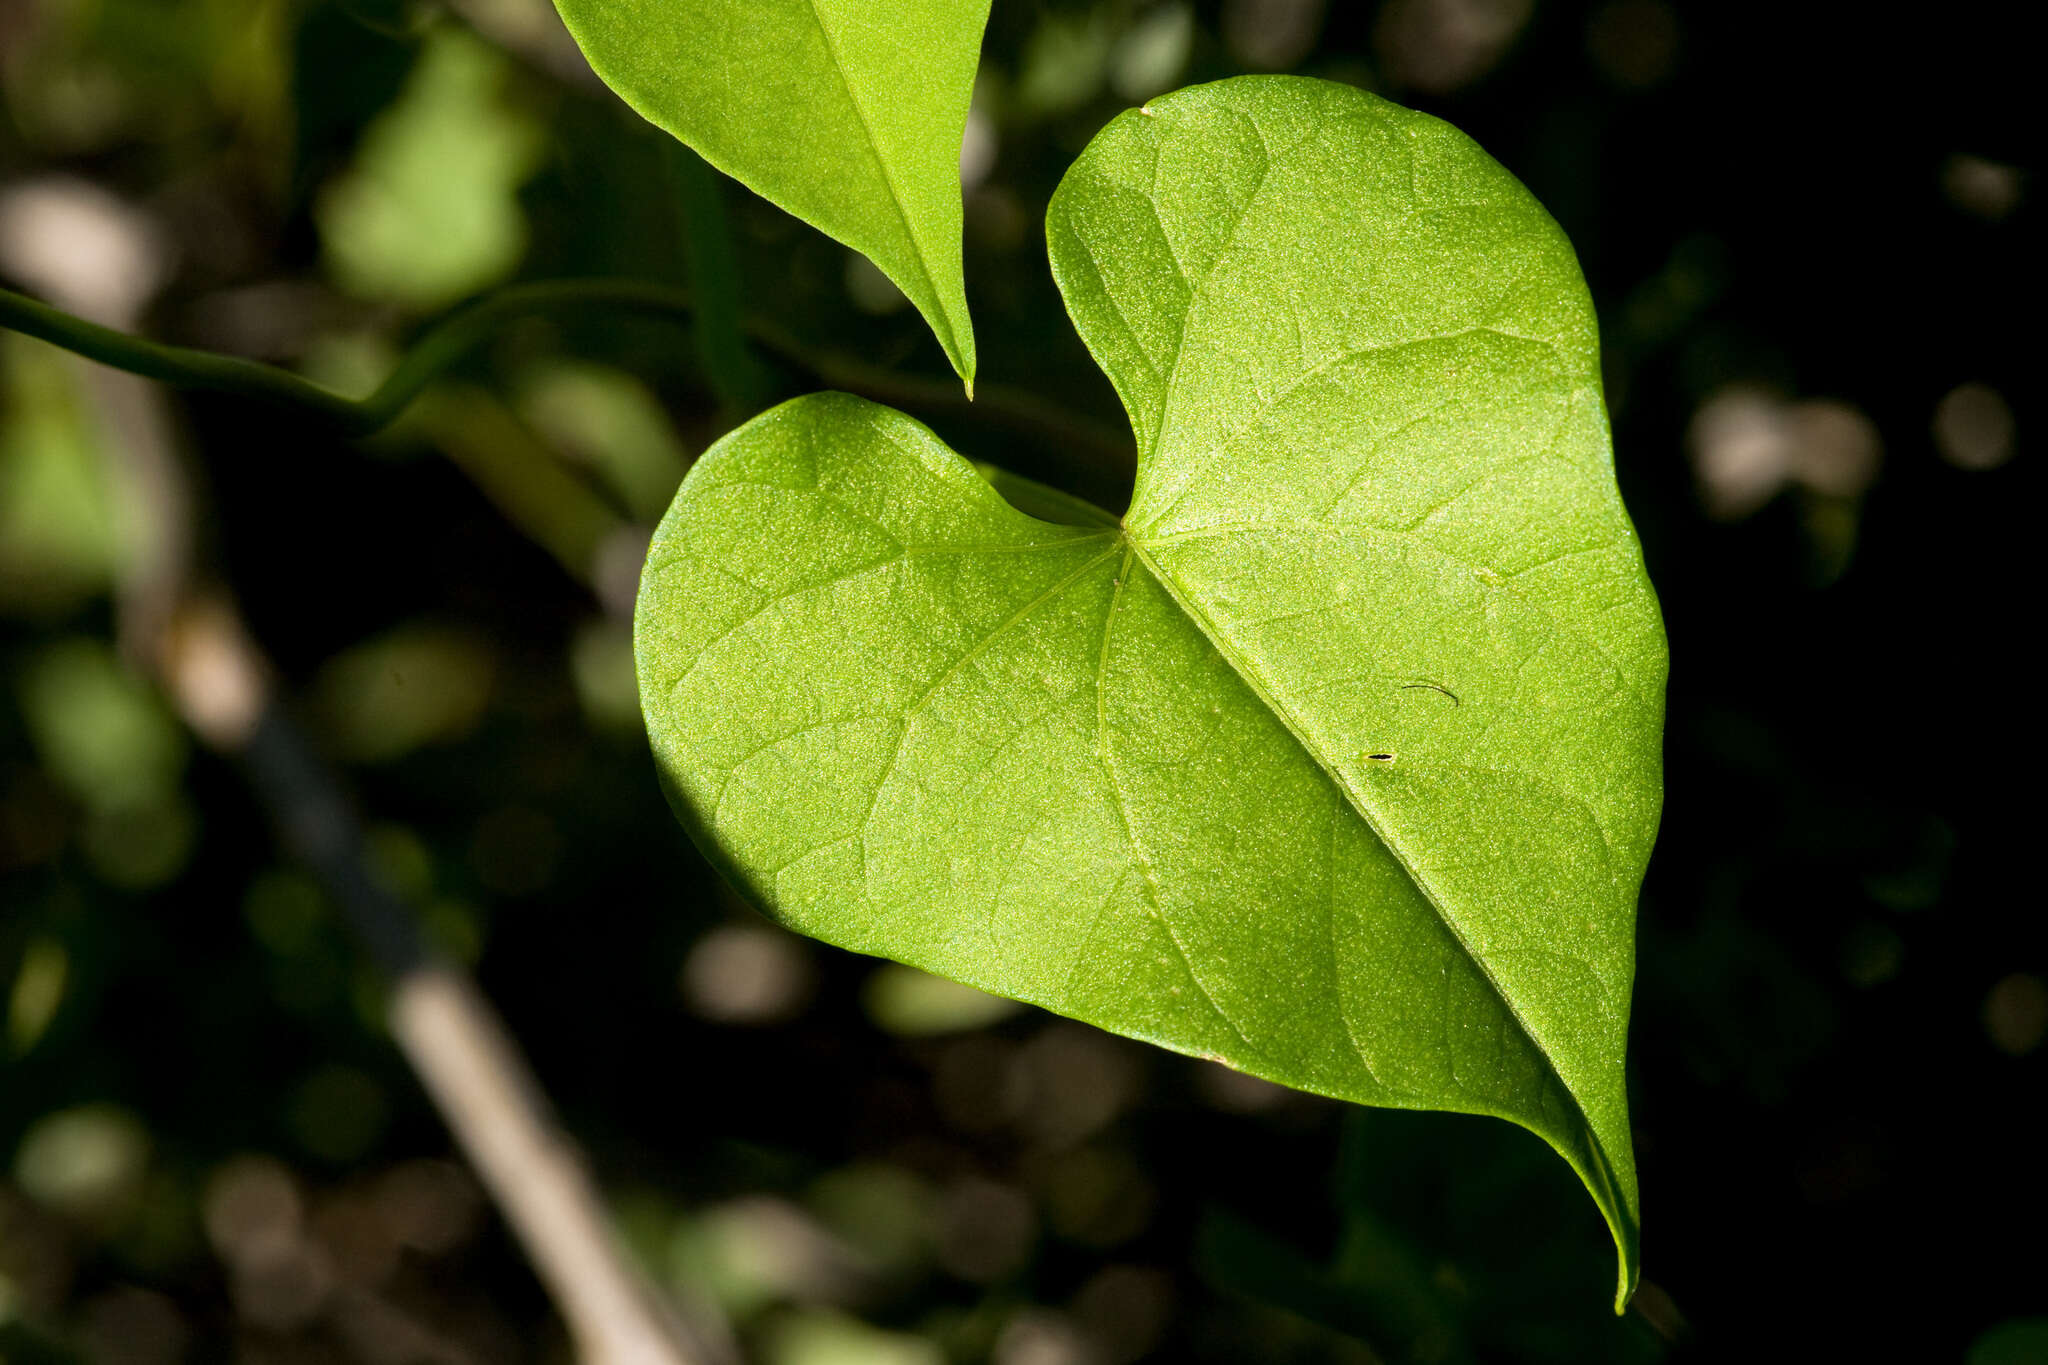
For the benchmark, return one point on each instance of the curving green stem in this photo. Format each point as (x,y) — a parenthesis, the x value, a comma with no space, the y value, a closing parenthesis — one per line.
(437,348)
(446,341)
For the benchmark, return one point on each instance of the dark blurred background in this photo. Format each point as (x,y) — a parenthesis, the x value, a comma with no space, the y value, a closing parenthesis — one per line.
(1811,234)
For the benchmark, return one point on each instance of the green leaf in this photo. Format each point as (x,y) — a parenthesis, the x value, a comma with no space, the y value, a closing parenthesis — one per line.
(430,210)
(847,114)
(1337,759)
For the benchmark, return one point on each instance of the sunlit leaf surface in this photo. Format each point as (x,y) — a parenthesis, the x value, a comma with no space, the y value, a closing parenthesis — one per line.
(1337,759)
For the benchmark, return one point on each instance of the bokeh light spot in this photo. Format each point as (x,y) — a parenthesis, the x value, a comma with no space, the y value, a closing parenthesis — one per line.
(2016,1014)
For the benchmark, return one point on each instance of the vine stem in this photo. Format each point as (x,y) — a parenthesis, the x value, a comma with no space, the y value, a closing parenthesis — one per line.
(1080,443)
(440,346)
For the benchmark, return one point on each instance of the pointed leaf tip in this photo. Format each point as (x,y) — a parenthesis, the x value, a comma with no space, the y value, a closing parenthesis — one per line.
(857,131)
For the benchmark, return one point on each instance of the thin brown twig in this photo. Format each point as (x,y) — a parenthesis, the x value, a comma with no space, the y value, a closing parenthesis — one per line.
(464,1056)
(195,643)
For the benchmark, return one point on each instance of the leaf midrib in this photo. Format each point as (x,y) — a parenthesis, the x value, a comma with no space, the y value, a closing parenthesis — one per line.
(944,320)
(1250,676)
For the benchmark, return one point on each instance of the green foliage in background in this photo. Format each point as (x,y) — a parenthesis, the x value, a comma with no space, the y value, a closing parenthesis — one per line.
(429,212)
(1337,759)
(848,115)
(60,528)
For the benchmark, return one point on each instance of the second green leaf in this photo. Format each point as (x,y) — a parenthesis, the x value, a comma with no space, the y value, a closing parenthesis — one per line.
(846,114)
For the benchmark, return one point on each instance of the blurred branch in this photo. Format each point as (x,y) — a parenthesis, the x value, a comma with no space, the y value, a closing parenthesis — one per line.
(527,483)
(447,341)
(220,683)
(457,1045)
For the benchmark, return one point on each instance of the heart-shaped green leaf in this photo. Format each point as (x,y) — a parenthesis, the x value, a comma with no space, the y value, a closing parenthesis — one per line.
(1337,758)
(845,113)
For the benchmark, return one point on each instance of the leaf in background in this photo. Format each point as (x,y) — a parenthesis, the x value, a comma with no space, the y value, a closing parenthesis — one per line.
(848,115)
(430,210)
(1338,758)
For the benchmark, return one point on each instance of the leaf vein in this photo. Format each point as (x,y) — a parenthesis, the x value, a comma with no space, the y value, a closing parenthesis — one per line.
(1356,799)
(941,318)
(1146,869)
